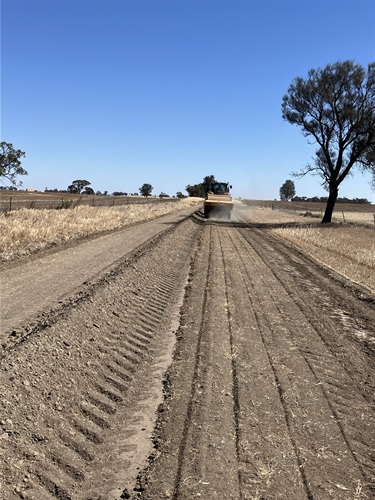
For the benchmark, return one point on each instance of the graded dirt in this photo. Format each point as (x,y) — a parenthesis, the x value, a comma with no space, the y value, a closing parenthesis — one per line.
(212,362)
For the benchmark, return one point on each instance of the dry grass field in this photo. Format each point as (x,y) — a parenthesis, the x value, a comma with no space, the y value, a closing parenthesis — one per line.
(348,248)
(344,212)
(16,200)
(27,231)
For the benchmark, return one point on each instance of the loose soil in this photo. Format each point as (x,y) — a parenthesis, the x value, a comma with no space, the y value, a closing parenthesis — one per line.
(212,361)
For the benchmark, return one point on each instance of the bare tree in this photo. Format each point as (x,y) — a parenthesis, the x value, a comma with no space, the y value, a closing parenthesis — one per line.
(335,108)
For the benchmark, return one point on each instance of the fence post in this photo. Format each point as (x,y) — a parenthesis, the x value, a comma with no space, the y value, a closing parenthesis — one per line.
(374,218)
(10,204)
(343,216)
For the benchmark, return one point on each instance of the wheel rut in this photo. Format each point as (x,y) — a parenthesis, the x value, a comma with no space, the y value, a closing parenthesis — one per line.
(331,364)
(204,453)
(276,402)
(78,398)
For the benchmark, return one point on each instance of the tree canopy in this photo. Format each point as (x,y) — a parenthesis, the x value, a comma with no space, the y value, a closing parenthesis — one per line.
(200,190)
(287,190)
(146,189)
(78,186)
(196,190)
(335,108)
(10,162)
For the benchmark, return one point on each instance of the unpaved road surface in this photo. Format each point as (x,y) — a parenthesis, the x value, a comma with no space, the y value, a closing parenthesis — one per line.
(212,362)
(42,283)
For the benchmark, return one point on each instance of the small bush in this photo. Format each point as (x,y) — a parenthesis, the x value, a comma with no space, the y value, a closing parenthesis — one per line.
(66,204)
(310,214)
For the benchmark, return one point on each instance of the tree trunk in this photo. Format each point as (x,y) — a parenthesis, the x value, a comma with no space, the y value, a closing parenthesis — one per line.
(333,193)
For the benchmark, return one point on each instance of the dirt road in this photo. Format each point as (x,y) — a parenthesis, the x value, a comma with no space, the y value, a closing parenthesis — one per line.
(257,365)
(45,282)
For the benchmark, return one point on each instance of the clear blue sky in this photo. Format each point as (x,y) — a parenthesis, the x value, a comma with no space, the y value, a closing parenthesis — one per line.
(123,92)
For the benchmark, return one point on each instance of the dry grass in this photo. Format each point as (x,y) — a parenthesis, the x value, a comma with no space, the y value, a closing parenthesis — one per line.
(365,218)
(350,251)
(305,206)
(343,212)
(26,231)
(346,248)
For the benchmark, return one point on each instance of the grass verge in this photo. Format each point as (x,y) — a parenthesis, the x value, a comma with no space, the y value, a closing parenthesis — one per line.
(24,232)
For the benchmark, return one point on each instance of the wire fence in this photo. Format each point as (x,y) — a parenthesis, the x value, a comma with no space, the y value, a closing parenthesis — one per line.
(48,202)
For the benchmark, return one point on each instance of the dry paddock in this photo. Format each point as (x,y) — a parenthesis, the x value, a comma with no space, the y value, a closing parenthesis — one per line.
(17,200)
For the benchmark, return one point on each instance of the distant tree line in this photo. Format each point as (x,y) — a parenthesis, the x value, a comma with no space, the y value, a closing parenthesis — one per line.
(288,193)
(324,199)
(81,187)
(8,188)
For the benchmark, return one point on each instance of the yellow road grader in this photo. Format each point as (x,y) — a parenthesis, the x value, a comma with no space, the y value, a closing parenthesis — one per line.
(218,201)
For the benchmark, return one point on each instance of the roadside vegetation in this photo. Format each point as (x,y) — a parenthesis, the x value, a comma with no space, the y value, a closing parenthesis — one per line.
(24,232)
(348,250)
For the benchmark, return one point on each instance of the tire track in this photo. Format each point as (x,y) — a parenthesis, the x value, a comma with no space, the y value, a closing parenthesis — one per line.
(179,480)
(199,437)
(274,471)
(316,288)
(349,400)
(208,446)
(81,387)
(290,321)
(244,329)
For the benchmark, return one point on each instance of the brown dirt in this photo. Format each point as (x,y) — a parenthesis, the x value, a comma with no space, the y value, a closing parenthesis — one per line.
(267,364)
